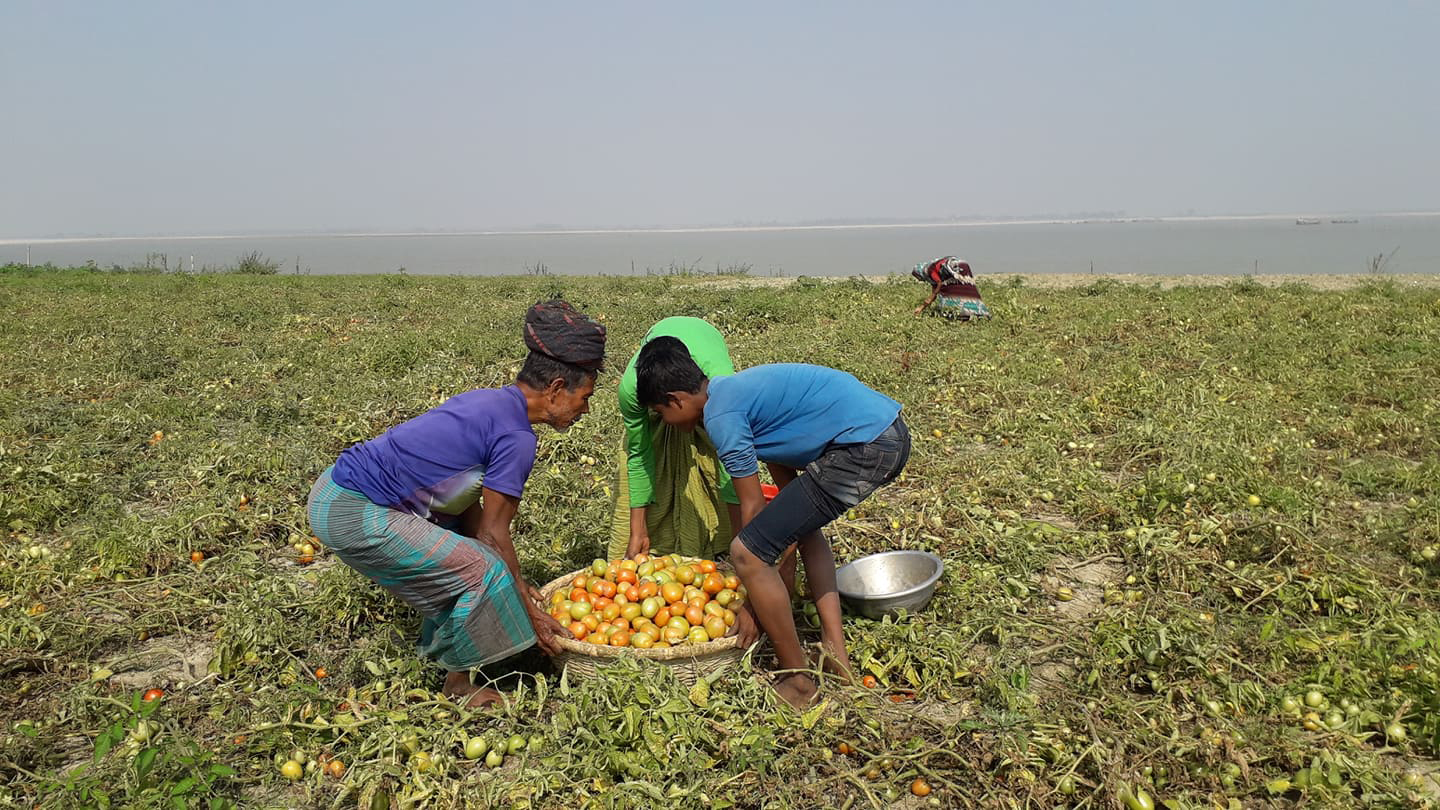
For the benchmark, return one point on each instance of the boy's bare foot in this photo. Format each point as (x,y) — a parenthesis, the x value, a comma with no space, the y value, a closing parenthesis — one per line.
(797,689)
(837,663)
(820,658)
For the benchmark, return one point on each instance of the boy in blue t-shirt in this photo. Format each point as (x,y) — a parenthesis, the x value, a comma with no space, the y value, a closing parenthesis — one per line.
(847,438)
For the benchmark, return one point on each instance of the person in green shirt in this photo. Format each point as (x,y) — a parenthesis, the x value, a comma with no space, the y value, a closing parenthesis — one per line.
(673,493)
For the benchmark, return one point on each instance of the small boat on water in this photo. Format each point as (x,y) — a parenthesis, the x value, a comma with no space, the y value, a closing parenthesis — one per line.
(1305,221)
(1343,221)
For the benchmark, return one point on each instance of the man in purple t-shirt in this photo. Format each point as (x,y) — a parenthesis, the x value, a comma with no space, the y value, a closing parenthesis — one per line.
(425,509)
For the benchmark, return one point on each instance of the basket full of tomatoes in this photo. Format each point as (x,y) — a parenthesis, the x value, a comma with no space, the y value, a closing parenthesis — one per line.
(675,610)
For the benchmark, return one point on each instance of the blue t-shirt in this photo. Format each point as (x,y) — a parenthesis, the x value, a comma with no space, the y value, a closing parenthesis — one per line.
(437,461)
(789,413)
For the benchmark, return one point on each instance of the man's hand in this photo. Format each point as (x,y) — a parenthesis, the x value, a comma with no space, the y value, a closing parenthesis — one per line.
(746,629)
(919,309)
(547,629)
(532,593)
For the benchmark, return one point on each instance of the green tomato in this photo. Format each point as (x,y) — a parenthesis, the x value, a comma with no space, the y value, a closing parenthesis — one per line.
(421,762)
(475,747)
(579,610)
(1139,800)
(1314,699)
(495,758)
(292,770)
(536,743)
(598,567)
(1289,705)
(1396,731)
(1066,785)
(516,744)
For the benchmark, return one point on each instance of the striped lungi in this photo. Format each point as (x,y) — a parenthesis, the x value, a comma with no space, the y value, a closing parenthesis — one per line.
(472,609)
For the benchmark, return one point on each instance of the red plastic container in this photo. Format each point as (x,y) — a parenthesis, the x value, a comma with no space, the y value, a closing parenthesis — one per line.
(769,491)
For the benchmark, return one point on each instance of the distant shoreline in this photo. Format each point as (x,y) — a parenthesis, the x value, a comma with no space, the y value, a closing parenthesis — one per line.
(1064,281)
(59,240)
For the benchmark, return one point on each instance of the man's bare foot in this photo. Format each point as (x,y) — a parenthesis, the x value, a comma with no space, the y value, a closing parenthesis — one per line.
(458,685)
(797,689)
(481,698)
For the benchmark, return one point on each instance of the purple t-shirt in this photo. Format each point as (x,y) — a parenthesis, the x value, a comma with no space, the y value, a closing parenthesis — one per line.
(437,461)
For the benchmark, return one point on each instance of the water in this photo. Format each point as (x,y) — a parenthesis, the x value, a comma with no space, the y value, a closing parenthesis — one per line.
(1170,247)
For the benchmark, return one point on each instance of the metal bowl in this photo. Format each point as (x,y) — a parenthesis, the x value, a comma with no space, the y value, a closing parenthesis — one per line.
(883,584)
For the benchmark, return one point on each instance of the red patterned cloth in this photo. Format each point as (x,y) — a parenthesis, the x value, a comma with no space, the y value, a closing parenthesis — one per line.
(557,330)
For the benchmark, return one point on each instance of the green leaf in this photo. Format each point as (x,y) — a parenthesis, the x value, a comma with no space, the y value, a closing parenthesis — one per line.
(103,744)
(811,717)
(144,761)
(183,785)
(222,770)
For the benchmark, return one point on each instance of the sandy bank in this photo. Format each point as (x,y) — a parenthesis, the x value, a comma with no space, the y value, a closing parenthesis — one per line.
(1057,281)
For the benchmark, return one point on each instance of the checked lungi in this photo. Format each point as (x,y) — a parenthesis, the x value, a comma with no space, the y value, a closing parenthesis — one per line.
(473,614)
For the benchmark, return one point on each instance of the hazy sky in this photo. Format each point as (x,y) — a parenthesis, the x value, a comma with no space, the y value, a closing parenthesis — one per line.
(185,117)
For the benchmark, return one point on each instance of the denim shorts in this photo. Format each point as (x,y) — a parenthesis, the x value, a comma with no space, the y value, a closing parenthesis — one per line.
(843,476)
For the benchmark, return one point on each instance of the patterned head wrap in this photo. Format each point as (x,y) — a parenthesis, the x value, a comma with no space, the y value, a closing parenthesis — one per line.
(559,331)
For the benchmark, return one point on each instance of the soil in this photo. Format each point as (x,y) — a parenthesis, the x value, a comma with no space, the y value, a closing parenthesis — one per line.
(163,661)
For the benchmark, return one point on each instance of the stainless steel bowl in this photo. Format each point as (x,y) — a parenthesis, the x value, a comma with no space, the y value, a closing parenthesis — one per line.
(882,584)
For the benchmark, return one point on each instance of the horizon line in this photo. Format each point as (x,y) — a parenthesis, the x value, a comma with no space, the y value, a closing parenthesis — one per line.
(352,234)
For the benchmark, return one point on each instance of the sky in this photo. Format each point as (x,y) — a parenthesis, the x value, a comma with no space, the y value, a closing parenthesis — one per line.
(261,117)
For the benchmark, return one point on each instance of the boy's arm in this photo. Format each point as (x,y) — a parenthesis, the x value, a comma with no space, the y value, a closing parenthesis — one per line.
(752,500)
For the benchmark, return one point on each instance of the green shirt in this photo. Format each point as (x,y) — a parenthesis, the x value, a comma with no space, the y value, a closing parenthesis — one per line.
(707,348)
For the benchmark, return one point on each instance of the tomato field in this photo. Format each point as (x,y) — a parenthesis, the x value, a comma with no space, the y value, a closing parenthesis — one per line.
(1190,535)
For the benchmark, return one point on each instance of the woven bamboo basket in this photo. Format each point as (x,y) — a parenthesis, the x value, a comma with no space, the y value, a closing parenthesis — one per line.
(689,662)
